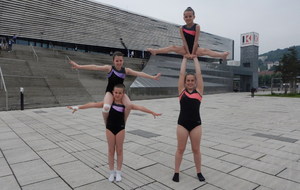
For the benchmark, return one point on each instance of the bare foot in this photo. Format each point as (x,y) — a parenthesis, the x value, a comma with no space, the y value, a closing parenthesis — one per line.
(225,54)
(152,51)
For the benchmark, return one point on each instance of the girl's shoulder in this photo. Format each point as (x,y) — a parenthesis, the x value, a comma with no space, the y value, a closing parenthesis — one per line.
(196,25)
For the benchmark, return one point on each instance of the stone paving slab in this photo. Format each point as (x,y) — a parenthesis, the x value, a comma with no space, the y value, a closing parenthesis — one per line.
(32,172)
(247,143)
(77,173)
(4,168)
(103,184)
(56,156)
(18,155)
(9,182)
(55,183)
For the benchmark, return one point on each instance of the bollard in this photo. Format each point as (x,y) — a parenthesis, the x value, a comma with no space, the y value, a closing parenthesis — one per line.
(22,97)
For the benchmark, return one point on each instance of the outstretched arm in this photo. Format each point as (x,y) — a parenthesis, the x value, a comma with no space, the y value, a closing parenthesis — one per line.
(199,77)
(106,68)
(142,74)
(182,75)
(144,109)
(86,106)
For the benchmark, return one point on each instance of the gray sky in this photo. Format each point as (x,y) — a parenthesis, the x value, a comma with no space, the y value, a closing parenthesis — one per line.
(276,21)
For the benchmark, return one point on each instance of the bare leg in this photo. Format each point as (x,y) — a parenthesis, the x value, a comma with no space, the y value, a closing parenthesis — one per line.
(195,136)
(177,49)
(119,148)
(208,52)
(182,136)
(108,100)
(111,141)
(126,101)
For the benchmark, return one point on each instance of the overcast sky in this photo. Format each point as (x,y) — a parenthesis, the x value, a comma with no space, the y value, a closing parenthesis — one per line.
(276,21)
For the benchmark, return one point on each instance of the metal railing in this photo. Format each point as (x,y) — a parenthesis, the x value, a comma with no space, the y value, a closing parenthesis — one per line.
(3,86)
(34,54)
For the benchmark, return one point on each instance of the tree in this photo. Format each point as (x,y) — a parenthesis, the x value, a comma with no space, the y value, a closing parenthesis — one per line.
(290,68)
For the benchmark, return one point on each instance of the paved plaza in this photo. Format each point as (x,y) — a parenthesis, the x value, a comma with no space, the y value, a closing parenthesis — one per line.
(247,143)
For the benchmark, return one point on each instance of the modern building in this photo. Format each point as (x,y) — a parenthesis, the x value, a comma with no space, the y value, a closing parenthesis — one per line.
(92,27)
(246,75)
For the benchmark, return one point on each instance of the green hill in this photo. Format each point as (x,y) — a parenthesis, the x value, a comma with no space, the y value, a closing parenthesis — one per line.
(276,55)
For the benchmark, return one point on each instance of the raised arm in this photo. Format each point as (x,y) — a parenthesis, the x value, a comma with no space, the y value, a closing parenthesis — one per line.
(182,75)
(142,74)
(144,109)
(105,68)
(199,77)
(86,106)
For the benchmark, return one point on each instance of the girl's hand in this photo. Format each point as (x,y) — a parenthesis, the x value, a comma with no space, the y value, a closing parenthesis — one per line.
(156,114)
(193,56)
(74,65)
(188,56)
(156,77)
(74,108)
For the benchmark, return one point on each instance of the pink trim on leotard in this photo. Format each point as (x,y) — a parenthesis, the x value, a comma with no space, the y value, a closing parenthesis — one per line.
(194,95)
(191,32)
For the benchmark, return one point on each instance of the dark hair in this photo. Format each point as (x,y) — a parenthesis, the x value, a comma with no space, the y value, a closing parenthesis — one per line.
(190,9)
(120,86)
(117,53)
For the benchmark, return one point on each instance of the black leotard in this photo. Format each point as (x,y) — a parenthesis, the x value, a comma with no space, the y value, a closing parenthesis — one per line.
(189,116)
(189,35)
(115,120)
(115,77)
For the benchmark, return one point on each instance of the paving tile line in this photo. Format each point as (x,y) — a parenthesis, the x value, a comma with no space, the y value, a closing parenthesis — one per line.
(11,170)
(64,148)
(29,161)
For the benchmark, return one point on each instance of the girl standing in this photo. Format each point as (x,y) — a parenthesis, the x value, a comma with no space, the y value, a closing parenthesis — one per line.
(190,90)
(115,128)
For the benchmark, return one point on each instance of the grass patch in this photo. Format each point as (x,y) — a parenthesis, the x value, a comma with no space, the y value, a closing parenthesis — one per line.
(281,95)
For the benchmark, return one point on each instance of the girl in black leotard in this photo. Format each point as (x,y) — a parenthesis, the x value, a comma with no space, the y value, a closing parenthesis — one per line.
(115,128)
(190,36)
(190,90)
(116,75)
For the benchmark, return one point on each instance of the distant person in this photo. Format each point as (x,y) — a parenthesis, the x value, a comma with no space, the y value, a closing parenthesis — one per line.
(115,128)
(75,48)
(116,75)
(190,36)
(1,44)
(10,44)
(132,54)
(14,38)
(190,91)
(253,90)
